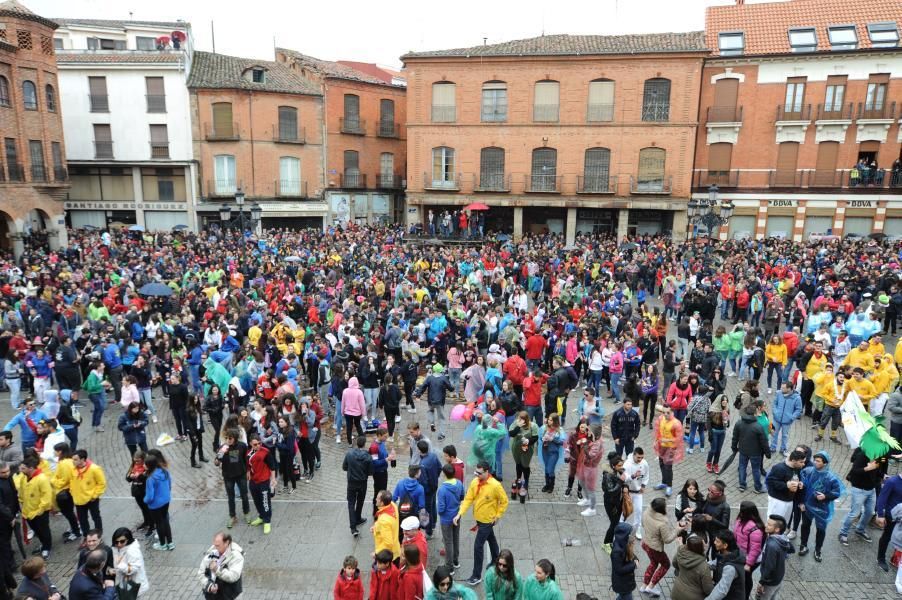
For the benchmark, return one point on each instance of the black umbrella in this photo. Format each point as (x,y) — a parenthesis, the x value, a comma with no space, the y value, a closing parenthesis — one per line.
(155,289)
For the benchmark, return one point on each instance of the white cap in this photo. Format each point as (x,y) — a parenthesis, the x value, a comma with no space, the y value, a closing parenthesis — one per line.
(410,523)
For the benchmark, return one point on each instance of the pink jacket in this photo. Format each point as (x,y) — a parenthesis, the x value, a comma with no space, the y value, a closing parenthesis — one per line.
(678,399)
(616,363)
(352,400)
(750,540)
(129,395)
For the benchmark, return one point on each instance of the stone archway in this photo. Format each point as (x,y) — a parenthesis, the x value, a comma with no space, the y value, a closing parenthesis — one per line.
(7,231)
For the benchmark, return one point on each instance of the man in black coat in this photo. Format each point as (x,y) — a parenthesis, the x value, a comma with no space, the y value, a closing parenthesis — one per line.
(625,427)
(358,464)
(750,442)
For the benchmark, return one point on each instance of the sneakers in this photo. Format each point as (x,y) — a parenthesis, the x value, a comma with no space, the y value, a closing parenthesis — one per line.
(355,533)
(864,535)
(817,556)
(159,546)
(668,491)
(155,420)
(716,469)
(639,534)
(70,537)
(568,492)
(231,522)
(882,564)
(248,519)
(266,528)
(690,451)
(45,554)
(579,493)
(742,488)
(843,539)
(662,486)
(653,591)
(474,580)
(255,522)
(791,535)
(589,512)
(785,453)
(770,390)
(583,502)
(818,437)
(803,550)
(709,467)
(170,546)
(834,439)
(398,419)
(337,439)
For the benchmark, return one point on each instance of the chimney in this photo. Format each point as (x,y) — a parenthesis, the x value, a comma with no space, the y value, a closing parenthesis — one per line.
(740,2)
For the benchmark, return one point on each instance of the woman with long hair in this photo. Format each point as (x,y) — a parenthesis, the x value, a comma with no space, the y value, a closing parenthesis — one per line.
(213,405)
(718,424)
(444,587)
(524,435)
(195,427)
(137,478)
(749,531)
(157,496)
(541,585)
(133,425)
(658,532)
(693,580)
(389,401)
(128,561)
(576,443)
(287,445)
(551,436)
(613,486)
(623,562)
(690,502)
(502,581)
(306,427)
(648,386)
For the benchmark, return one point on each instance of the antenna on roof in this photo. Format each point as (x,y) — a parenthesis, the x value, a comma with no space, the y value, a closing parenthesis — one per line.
(484,40)
(213,36)
(130,15)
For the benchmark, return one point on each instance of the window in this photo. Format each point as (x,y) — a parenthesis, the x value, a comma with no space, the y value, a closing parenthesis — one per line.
(159,141)
(544,170)
(795,96)
(12,160)
(97,94)
(596,170)
(23,37)
(787,162)
(288,123)
(601,101)
(51,97)
(352,176)
(726,93)
(825,168)
(387,118)
(491,170)
(803,40)
(103,141)
(352,113)
(731,43)
(29,95)
(258,75)
(156,94)
(4,91)
(875,100)
(651,170)
(386,170)
(223,126)
(57,43)
(224,172)
(145,43)
(884,35)
(289,176)
(105,44)
(165,190)
(59,169)
(656,100)
(843,37)
(546,104)
(720,156)
(36,153)
(443,168)
(833,98)
(444,107)
(494,102)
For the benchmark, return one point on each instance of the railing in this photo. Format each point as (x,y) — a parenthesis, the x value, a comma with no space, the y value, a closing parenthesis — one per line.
(724,114)
(159,149)
(353,125)
(16,172)
(60,174)
(546,113)
(785,178)
(825,178)
(156,103)
(496,113)
(885,111)
(447,181)
(663,185)
(221,134)
(491,182)
(103,149)
(2,174)
(444,113)
(288,135)
(38,173)
(833,112)
(895,180)
(290,188)
(542,183)
(792,113)
(388,129)
(723,179)
(388,181)
(656,111)
(596,184)
(222,188)
(353,180)
(600,113)
(99,102)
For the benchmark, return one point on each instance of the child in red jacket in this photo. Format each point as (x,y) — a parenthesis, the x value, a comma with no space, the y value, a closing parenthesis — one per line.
(384,579)
(348,585)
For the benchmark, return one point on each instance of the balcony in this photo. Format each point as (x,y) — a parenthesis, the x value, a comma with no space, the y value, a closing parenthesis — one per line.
(786,178)
(156,103)
(492,182)
(222,133)
(540,183)
(282,134)
(596,184)
(353,181)
(704,179)
(834,112)
(546,113)
(651,185)
(100,103)
(793,113)
(159,149)
(388,181)
(388,129)
(222,188)
(353,125)
(656,112)
(873,112)
(103,149)
(449,182)
(444,113)
(60,174)
(16,172)
(724,114)
(600,113)
(874,121)
(290,188)
(38,173)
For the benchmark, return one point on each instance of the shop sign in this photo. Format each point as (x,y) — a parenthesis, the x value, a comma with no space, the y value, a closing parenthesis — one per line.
(860,204)
(783,203)
(78,205)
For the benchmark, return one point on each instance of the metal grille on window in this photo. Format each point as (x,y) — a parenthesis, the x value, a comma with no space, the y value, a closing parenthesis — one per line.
(352,168)
(288,123)
(656,100)
(491,169)
(651,169)
(12,160)
(386,117)
(494,102)
(544,170)
(597,170)
(159,141)
(352,112)
(387,169)
(4,91)
(23,37)
(546,107)
(36,152)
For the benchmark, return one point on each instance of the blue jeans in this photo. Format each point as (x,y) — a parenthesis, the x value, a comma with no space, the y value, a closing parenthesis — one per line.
(72,434)
(788,368)
(595,381)
(756,470)
(339,421)
(99,403)
(862,502)
(484,533)
(724,309)
(774,368)
(146,395)
(535,413)
(782,430)
(693,427)
(717,438)
(15,387)
(615,385)
(194,378)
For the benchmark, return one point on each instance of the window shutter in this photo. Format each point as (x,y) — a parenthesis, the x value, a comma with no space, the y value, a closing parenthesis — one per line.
(443,94)
(102,133)
(154,86)
(351,160)
(825,168)
(787,160)
(651,165)
(97,86)
(159,134)
(387,111)
(719,157)
(387,164)
(601,92)
(288,123)
(547,98)
(222,119)
(726,92)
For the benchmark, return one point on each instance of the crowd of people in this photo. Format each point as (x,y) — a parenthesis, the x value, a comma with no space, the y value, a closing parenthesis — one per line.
(559,356)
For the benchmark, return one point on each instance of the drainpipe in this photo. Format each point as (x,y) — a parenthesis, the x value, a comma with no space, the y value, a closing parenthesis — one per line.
(327,217)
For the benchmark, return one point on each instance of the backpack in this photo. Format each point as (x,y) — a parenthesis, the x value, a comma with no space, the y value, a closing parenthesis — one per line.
(406,508)
(76,414)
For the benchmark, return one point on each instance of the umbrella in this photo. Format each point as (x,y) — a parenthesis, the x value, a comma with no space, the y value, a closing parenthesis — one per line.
(728,462)
(136,228)
(476,206)
(180,227)
(629,246)
(293,259)
(155,289)
(90,227)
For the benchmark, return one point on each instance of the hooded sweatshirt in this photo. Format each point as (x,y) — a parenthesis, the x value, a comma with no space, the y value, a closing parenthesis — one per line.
(352,400)
(773,559)
(410,487)
(693,580)
(450,495)
(623,579)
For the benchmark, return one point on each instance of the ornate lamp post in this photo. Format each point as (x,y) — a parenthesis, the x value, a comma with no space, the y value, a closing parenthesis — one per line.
(710,213)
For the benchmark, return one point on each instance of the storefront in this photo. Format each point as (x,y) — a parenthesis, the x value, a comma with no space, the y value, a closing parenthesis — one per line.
(596,220)
(361,208)
(742,226)
(859,217)
(161,216)
(779,225)
(649,222)
(817,224)
(544,219)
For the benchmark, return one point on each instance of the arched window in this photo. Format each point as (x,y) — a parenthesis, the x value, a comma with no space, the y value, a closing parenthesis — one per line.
(443,174)
(656,100)
(491,170)
(444,103)
(351,122)
(651,170)
(544,170)
(4,91)
(494,102)
(50,94)
(601,101)
(29,95)
(546,104)
(597,171)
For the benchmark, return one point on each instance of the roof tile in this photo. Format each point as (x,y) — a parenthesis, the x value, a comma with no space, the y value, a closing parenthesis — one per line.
(125,57)
(328,68)
(218,71)
(116,24)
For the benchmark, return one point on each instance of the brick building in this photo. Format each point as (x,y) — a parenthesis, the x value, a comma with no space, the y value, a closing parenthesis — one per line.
(800,107)
(33,177)
(564,133)
(366,150)
(257,126)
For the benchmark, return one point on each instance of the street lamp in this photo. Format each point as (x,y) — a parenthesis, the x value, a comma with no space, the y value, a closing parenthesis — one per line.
(225,213)
(711,212)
